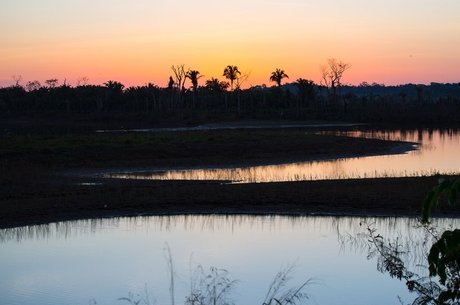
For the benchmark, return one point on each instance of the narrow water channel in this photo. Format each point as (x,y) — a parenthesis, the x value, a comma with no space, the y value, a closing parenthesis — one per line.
(437,153)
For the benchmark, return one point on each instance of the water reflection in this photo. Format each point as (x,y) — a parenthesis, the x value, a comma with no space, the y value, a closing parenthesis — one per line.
(437,154)
(345,228)
(104,259)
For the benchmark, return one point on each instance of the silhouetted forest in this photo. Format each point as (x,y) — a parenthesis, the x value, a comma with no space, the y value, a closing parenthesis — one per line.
(303,99)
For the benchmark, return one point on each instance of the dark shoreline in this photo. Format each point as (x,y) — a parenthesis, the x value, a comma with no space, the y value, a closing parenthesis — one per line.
(355,197)
(33,189)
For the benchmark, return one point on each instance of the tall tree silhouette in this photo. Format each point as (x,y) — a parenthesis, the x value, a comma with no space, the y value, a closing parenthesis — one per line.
(331,75)
(194,76)
(231,73)
(277,76)
(170,83)
(180,75)
(306,89)
(306,93)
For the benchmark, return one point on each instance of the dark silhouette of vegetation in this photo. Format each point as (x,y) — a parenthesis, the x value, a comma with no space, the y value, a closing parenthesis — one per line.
(231,73)
(443,257)
(447,189)
(214,85)
(52,83)
(215,287)
(434,104)
(277,76)
(194,76)
(180,76)
(170,83)
(331,76)
(306,91)
(17,80)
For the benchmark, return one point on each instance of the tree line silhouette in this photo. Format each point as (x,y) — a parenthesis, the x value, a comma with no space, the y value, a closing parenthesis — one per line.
(302,99)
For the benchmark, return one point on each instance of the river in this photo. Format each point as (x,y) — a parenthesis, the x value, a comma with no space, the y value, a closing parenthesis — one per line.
(80,262)
(435,152)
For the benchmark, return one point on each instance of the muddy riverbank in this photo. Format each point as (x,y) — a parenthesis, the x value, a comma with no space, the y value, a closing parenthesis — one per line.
(35,185)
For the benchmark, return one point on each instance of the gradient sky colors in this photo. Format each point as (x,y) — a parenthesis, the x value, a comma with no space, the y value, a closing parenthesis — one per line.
(135,42)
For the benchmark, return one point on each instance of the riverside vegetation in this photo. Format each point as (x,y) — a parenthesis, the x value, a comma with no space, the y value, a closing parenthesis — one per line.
(185,102)
(48,130)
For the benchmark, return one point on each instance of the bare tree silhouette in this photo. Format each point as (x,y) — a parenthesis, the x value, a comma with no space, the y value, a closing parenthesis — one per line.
(331,75)
(17,79)
(241,80)
(277,76)
(180,76)
(82,81)
(52,83)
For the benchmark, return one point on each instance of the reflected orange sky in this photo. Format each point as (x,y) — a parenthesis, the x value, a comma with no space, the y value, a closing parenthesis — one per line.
(136,43)
(436,153)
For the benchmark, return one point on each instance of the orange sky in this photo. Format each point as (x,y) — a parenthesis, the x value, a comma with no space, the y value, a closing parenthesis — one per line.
(136,42)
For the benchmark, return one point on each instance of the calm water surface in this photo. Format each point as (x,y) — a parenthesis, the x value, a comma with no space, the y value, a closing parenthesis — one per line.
(437,153)
(80,262)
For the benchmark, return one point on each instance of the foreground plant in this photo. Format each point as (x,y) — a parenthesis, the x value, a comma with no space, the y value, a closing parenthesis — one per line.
(215,286)
(442,286)
(212,288)
(278,294)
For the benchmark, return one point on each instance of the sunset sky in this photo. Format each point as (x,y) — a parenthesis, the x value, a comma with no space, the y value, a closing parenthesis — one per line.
(135,42)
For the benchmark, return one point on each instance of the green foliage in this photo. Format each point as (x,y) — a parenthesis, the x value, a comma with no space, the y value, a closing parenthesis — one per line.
(446,189)
(444,261)
(443,257)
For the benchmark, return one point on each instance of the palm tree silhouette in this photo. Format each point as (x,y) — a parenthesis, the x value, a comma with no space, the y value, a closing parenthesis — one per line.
(231,73)
(194,76)
(114,86)
(277,76)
